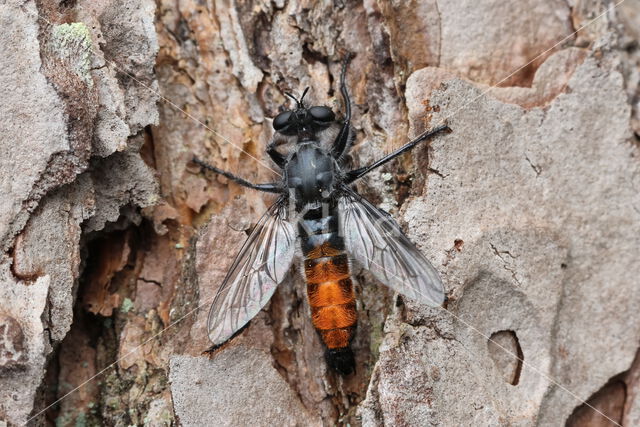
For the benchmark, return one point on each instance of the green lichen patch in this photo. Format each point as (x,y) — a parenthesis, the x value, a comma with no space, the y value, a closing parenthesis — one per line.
(72,44)
(126,305)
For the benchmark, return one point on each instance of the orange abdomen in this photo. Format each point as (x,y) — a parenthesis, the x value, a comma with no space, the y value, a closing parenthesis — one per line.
(331,297)
(329,286)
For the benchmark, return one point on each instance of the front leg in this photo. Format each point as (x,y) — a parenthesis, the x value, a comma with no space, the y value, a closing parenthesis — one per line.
(269,188)
(277,157)
(360,172)
(341,143)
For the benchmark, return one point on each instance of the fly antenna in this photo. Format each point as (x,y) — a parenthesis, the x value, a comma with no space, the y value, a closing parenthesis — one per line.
(302,97)
(293,97)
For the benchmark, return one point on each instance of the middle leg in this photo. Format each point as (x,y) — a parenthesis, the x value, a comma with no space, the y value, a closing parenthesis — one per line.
(269,187)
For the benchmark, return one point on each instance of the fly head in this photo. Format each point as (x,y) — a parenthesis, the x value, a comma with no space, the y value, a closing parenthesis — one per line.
(303,122)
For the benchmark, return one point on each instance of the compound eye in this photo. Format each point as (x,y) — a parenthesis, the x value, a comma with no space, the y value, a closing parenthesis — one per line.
(281,121)
(322,114)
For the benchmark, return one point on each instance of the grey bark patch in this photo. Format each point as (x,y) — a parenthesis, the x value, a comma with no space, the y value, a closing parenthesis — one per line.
(549,256)
(18,387)
(32,122)
(60,106)
(238,387)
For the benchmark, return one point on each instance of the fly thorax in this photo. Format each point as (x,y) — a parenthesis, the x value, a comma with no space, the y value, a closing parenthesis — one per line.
(310,174)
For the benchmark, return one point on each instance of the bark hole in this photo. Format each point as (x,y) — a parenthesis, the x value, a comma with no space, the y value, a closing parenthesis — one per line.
(505,350)
(609,400)
(110,321)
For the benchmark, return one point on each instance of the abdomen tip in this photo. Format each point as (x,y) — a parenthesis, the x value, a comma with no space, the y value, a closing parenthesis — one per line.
(341,360)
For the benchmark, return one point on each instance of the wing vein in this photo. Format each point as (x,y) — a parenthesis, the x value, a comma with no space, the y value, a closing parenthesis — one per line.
(253,276)
(376,241)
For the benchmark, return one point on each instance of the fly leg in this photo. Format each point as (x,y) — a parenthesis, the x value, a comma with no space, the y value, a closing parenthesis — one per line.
(341,143)
(269,188)
(360,172)
(277,157)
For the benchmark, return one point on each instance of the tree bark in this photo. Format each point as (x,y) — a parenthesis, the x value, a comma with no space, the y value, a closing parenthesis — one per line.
(115,243)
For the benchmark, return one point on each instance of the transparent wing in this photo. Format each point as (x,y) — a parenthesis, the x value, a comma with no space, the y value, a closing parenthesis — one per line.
(376,241)
(263,262)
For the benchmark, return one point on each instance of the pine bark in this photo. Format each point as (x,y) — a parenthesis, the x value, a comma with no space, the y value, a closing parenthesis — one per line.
(115,243)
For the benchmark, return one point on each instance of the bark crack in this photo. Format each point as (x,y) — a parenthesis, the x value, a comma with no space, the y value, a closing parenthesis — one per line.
(537,169)
(505,264)
(154,282)
(437,172)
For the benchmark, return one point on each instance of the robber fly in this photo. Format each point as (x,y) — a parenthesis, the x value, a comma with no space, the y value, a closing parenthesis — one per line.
(320,217)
